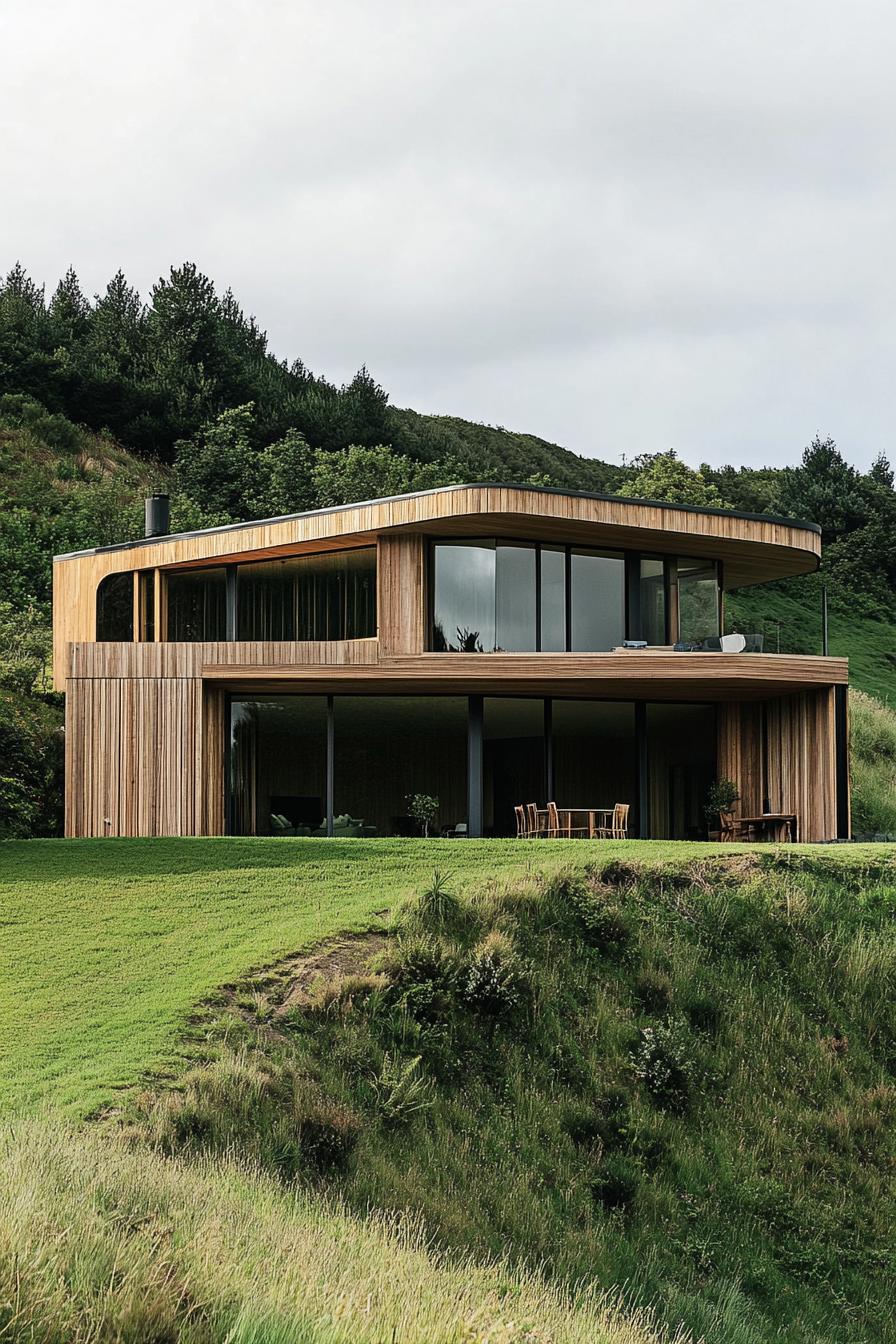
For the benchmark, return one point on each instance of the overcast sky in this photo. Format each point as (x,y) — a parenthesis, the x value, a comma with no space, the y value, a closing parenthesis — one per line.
(624,225)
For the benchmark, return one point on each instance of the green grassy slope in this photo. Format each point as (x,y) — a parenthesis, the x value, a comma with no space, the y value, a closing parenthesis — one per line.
(677,1080)
(108,944)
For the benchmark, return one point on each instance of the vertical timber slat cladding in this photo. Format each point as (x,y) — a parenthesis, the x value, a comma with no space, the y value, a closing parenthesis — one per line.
(795,736)
(140,757)
(401,594)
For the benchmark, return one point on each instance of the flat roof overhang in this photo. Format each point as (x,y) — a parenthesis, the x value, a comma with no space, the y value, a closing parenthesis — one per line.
(754,548)
(623,676)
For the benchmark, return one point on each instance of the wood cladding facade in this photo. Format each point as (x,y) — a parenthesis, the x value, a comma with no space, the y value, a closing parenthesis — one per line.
(146,723)
(752,550)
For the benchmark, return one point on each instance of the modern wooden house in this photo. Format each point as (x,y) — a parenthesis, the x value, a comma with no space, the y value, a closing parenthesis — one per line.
(304,675)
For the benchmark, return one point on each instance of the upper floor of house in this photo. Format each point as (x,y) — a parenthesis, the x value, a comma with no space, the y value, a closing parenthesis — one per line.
(500,570)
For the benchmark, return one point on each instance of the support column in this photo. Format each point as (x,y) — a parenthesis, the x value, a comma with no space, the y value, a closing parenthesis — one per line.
(474,766)
(230,610)
(643,770)
(548,750)
(331,760)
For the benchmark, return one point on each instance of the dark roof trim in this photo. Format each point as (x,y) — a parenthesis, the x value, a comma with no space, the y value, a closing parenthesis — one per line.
(440,490)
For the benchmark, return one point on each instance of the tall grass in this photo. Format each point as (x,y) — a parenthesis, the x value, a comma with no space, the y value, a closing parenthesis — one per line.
(105,1241)
(873,765)
(673,1082)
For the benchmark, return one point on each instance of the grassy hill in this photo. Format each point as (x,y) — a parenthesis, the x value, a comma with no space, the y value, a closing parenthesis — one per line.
(568,1070)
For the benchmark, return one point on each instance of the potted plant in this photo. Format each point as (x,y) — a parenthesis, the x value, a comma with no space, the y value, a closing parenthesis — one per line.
(720,800)
(423,808)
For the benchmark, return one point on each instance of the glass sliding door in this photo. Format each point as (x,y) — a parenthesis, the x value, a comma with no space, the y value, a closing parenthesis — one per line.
(197,604)
(278,765)
(309,597)
(513,750)
(597,601)
(388,747)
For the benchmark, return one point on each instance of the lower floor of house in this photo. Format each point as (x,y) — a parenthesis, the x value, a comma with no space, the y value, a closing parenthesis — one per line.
(142,760)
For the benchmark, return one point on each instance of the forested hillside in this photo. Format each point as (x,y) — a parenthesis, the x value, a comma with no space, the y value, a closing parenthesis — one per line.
(104,399)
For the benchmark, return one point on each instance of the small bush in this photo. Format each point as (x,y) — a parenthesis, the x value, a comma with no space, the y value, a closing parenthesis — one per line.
(436,910)
(494,982)
(423,977)
(601,922)
(400,1091)
(663,1060)
(602,1127)
(616,1184)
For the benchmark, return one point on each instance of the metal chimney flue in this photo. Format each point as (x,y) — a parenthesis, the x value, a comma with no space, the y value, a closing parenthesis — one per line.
(157,515)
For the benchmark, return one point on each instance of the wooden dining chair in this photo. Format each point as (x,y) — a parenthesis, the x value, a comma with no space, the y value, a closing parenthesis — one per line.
(536,820)
(618,827)
(522,826)
(554,830)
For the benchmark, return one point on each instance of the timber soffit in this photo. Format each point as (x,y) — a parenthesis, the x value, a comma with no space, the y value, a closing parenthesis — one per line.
(768,519)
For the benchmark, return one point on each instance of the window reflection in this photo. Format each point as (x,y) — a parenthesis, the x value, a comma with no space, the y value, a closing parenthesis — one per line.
(515,598)
(597,601)
(464,597)
(653,600)
(553,599)
(698,600)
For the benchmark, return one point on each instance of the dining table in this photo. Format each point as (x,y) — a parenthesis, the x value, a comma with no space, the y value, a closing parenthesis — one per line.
(598,818)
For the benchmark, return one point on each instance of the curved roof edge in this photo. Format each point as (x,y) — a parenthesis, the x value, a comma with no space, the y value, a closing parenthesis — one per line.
(446,489)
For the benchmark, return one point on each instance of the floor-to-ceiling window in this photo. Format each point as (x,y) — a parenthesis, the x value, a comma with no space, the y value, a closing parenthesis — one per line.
(390,747)
(514,596)
(681,764)
(699,610)
(595,755)
(513,764)
(278,764)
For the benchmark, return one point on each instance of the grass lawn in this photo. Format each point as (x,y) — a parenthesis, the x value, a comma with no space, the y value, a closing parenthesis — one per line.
(108,944)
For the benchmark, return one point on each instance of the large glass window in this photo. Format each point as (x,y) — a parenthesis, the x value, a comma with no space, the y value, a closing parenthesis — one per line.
(513,761)
(309,597)
(278,765)
(597,601)
(515,621)
(553,599)
(197,604)
(595,756)
(681,754)
(464,597)
(389,747)
(698,600)
(115,608)
(652,580)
